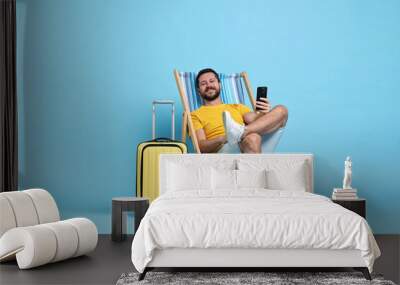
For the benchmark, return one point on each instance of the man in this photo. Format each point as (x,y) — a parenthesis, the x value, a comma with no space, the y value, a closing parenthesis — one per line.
(218,125)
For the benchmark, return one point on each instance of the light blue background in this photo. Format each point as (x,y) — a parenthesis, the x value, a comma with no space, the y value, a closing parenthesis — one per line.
(89,70)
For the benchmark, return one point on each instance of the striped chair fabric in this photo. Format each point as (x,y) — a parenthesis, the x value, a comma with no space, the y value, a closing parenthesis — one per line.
(231,89)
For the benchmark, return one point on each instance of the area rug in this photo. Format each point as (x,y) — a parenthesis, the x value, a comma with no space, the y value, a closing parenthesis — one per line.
(269,278)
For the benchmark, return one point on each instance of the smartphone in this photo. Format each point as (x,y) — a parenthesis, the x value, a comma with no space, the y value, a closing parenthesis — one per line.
(262,92)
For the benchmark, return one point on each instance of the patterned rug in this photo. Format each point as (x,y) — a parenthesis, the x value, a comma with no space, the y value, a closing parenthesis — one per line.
(270,278)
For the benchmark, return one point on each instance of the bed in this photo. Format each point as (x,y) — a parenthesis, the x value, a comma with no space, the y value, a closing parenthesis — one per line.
(242,211)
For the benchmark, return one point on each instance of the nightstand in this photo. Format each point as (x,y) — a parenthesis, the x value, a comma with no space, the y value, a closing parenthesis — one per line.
(358,206)
(121,205)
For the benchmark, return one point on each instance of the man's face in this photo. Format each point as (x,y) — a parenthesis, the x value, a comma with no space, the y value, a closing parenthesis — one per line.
(209,86)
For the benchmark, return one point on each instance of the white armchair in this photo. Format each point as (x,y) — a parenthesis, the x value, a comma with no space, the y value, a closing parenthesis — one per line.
(31,230)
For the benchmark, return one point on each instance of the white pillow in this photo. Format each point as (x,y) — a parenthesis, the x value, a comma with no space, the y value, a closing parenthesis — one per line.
(236,179)
(223,179)
(251,178)
(181,178)
(289,179)
(282,174)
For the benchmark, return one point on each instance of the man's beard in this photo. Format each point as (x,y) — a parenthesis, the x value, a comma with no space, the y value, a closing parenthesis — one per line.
(212,97)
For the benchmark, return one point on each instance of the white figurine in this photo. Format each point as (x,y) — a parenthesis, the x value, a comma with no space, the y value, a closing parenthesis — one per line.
(347,174)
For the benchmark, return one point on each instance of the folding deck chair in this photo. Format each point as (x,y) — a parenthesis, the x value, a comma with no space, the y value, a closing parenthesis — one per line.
(232,92)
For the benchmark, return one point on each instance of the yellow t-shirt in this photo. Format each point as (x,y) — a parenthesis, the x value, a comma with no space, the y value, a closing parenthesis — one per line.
(209,118)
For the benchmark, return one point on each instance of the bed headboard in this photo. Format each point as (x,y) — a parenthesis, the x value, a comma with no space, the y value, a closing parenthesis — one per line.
(231,159)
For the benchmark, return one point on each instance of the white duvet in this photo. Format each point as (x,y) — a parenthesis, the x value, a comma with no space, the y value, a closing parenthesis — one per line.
(251,218)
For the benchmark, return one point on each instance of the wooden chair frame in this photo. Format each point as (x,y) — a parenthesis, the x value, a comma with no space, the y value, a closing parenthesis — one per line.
(187,124)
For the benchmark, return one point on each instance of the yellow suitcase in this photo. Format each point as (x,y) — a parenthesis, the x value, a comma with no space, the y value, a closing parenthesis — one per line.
(148,156)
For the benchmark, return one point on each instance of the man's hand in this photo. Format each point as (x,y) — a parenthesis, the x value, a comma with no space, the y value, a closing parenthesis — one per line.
(208,146)
(263,106)
(221,139)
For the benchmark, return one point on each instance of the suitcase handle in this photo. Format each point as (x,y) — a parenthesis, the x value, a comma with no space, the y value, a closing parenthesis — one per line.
(162,140)
(164,102)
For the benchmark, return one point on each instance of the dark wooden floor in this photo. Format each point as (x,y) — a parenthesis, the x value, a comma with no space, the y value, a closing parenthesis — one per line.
(389,262)
(111,259)
(102,266)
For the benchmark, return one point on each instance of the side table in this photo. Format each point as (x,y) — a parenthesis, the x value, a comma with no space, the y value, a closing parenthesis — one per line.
(358,206)
(120,207)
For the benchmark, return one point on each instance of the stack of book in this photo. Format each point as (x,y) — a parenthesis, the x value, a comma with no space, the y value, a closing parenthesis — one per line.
(344,194)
